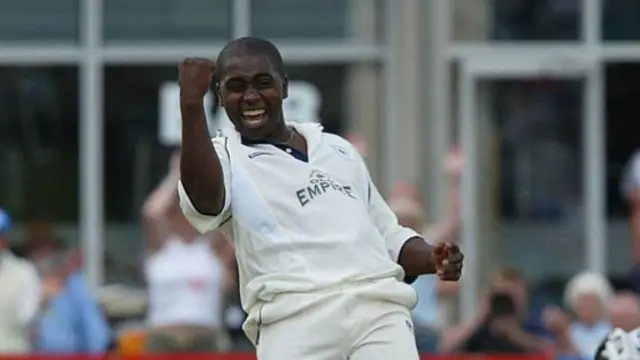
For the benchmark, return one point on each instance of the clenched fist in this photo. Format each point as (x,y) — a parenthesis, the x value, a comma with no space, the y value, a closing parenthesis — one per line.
(195,76)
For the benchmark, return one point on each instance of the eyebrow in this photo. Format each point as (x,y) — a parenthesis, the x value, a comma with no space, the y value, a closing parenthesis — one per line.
(225,80)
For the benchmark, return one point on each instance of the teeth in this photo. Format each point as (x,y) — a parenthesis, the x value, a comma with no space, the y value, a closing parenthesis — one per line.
(252,113)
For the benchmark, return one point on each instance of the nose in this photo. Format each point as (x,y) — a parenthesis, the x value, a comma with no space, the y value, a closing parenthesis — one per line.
(251,95)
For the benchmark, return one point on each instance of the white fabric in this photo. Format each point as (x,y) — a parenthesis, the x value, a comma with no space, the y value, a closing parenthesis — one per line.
(620,345)
(301,226)
(344,324)
(185,282)
(19,303)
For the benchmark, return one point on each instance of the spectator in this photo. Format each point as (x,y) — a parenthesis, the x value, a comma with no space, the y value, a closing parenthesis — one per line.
(625,311)
(631,190)
(404,202)
(186,274)
(43,247)
(20,295)
(588,296)
(502,322)
(72,321)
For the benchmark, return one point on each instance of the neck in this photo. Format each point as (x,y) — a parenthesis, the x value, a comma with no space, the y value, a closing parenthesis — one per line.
(282,133)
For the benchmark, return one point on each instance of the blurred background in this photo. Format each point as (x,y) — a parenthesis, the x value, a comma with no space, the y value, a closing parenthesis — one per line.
(522,111)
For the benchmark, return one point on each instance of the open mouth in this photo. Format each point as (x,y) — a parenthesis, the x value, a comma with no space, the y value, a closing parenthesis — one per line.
(254,118)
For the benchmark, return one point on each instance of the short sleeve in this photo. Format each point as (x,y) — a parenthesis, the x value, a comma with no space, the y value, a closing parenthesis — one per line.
(386,221)
(205,223)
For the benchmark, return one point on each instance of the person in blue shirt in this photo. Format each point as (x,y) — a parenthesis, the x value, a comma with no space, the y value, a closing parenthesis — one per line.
(72,321)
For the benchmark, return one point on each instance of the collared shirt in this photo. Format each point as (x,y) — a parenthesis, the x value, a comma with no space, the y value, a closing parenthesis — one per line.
(304,222)
(73,323)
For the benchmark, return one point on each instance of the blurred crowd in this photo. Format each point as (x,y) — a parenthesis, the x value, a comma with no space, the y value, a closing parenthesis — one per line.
(190,300)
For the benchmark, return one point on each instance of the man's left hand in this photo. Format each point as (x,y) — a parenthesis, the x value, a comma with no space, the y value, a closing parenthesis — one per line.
(448,259)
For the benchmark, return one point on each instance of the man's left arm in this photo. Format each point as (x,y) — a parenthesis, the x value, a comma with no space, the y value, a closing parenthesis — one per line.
(405,246)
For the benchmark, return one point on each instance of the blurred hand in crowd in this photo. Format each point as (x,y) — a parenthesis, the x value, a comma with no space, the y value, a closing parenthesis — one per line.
(455,161)
(52,286)
(556,320)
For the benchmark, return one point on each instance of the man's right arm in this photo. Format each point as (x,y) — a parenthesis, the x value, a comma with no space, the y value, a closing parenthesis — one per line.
(204,222)
(201,173)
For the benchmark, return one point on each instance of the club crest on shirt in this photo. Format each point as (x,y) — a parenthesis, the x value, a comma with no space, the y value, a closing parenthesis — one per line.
(342,151)
(320,184)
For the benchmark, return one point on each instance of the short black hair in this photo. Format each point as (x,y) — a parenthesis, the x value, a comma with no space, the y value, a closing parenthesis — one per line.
(250,45)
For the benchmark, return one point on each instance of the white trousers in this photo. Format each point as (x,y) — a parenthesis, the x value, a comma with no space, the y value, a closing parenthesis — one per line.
(341,327)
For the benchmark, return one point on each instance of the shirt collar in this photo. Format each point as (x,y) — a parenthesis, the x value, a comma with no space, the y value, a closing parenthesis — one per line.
(312,133)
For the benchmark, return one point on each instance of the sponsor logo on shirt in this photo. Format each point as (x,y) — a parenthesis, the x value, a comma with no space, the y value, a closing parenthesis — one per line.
(259,153)
(320,184)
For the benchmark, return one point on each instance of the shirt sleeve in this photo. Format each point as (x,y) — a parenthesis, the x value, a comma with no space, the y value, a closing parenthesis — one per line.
(31,290)
(386,221)
(204,223)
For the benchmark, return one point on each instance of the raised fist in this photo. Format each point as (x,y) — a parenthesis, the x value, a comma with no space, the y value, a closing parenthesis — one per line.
(195,76)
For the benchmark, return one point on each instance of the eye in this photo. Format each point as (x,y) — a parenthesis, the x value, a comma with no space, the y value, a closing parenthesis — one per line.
(235,86)
(264,82)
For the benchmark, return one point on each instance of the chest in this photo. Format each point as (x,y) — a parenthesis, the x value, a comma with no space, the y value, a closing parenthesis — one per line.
(278,176)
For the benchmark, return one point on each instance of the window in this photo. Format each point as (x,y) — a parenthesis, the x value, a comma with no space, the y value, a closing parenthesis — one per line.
(39,20)
(309,19)
(39,143)
(539,134)
(166,20)
(621,20)
(522,20)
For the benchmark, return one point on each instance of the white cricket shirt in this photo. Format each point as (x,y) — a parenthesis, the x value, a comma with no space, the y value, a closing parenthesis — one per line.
(303,224)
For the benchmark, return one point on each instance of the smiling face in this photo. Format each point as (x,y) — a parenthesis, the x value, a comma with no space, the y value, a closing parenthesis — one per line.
(251,92)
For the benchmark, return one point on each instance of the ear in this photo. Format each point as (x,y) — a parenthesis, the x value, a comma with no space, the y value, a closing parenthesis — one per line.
(219,95)
(285,87)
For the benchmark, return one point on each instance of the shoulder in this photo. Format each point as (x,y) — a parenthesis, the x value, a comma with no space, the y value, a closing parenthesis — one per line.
(341,146)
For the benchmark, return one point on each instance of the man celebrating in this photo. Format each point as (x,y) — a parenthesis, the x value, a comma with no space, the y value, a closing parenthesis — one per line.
(321,256)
